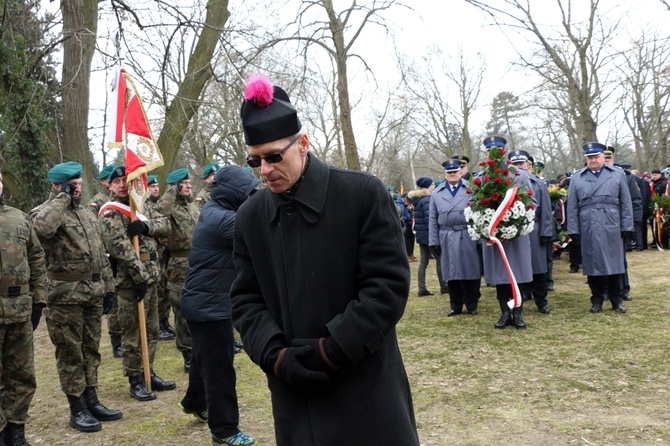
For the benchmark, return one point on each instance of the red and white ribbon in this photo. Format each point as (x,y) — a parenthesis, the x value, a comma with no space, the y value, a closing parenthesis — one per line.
(507,203)
(122,208)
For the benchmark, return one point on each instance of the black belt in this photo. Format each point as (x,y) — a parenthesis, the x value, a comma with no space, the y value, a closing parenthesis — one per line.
(14,290)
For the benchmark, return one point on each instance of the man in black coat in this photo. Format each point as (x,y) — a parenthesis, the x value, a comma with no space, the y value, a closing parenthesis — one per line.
(322,280)
(206,306)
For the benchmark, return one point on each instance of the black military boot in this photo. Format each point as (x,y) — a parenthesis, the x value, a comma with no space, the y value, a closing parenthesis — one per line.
(187,360)
(16,435)
(596,304)
(505,317)
(100,412)
(518,320)
(117,352)
(138,390)
(165,332)
(159,385)
(80,418)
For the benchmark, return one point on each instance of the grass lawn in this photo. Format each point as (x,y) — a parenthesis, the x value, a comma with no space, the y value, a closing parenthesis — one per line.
(571,378)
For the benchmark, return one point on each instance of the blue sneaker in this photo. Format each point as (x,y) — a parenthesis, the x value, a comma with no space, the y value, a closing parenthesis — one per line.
(239,439)
(201,415)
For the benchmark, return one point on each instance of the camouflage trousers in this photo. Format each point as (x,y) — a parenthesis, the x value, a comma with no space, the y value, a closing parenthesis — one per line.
(113,325)
(17,372)
(184,340)
(75,332)
(163,299)
(130,325)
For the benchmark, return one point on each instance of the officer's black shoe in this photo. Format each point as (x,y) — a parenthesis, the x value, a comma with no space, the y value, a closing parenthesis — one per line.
(473,312)
(627,297)
(454,313)
(138,390)
(80,418)
(544,309)
(619,309)
(117,352)
(444,290)
(15,435)
(518,320)
(165,332)
(574,269)
(596,308)
(100,412)
(159,385)
(238,346)
(504,321)
(426,293)
(187,360)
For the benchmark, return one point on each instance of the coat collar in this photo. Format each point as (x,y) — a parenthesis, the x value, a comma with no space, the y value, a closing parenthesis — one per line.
(310,197)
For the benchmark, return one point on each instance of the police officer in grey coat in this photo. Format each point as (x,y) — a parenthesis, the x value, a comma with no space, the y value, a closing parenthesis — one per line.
(600,211)
(542,232)
(448,236)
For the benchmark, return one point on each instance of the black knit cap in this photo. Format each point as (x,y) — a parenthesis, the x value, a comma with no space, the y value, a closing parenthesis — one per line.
(267,113)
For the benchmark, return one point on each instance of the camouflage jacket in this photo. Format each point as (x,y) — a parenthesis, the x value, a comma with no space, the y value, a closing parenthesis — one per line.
(204,195)
(183,215)
(131,268)
(77,265)
(97,201)
(22,267)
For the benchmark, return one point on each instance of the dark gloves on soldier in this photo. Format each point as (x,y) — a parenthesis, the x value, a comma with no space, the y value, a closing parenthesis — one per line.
(435,250)
(140,290)
(574,237)
(108,302)
(68,188)
(137,227)
(544,241)
(626,235)
(36,315)
(322,357)
(289,367)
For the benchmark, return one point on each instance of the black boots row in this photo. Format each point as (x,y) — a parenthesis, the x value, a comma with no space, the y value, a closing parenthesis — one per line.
(13,435)
(138,388)
(86,411)
(510,318)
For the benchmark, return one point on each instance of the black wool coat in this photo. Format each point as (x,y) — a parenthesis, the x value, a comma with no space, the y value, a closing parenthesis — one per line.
(330,261)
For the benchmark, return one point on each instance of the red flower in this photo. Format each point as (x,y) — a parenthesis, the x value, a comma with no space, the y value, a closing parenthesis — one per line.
(505,172)
(491,163)
(469,192)
(483,163)
(487,178)
(485,201)
(530,193)
(495,196)
(508,181)
(531,206)
(502,151)
(497,180)
(516,174)
(498,170)
(477,181)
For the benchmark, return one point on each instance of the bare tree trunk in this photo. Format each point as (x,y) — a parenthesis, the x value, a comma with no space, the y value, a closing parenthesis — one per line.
(80,26)
(185,104)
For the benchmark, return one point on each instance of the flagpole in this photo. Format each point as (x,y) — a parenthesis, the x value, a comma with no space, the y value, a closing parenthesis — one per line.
(140,311)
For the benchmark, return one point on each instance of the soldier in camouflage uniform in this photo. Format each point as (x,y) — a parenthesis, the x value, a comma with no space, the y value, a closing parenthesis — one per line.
(135,280)
(177,204)
(22,297)
(207,176)
(165,330)
(101,197)
(113,326)
(80,287)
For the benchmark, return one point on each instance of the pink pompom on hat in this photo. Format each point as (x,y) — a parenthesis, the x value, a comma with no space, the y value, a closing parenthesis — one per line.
(267,113)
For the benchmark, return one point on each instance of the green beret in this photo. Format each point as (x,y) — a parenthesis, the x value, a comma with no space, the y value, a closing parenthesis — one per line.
(104,173)
(209,168)
(178,175)
(116,172)
(63,172)
(152,179)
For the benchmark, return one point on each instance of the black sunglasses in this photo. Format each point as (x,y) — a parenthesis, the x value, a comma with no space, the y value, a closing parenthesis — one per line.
(255,161)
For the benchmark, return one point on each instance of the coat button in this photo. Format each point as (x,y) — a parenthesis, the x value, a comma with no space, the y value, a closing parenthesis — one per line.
(289,211)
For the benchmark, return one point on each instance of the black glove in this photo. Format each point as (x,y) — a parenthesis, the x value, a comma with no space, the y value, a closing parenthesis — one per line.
(137,227)
(544,241)
(108,302)
(140,290)
(626,235)
(435,250)
(68,188)
(36,315)
(574,237)
(290,368)
(318,359)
